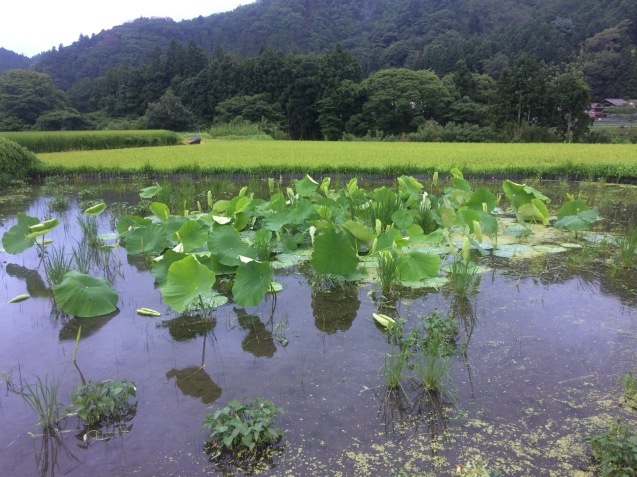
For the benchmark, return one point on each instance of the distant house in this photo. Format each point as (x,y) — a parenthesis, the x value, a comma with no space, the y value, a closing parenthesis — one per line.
(598,110)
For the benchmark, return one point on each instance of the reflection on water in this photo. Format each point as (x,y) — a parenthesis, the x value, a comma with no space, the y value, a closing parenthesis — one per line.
(89,326)
(259,340)
(186,328)
(195,382)
(35,285)
(335,309)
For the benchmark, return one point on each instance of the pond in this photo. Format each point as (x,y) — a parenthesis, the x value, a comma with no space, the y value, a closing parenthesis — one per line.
(540,349)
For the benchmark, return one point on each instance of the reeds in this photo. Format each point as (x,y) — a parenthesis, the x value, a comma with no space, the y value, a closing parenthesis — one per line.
(56,264)
(42,397)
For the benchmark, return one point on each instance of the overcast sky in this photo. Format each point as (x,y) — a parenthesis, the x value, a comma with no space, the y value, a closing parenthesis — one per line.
(31,27)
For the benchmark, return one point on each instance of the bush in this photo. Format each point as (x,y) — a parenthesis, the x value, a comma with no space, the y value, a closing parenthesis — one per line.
(615,451)
(16,162)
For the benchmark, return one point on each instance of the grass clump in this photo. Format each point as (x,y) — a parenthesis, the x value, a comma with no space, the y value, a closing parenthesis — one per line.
(42,397)
(629,380)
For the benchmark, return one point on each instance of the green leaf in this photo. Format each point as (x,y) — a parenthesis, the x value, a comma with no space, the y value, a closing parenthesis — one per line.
(482,198)
(414,266)
(160,267)
(571,207)
(131,222)
(192,234)
(96,209)
(360,231)
(521,194)
(252,282)
(534,211)
(160,210)
(573,223)
(85,296)
(42,228)
(148,239)
(334,253)
(402,219)
(15,239)
(187,279)
(225,242)
(19,298)
(149,192)
(306,186)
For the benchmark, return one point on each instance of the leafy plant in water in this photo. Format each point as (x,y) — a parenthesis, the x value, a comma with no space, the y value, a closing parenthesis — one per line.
(56,265)
(105,401)
(615,451)
(387,269)
(529,204)
(242,426)
(576,216)
(476,468)
(89,227)
(42,397)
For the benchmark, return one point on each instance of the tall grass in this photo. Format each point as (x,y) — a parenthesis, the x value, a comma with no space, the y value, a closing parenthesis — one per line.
(627,246)
(42,397)
(56,264)
(59,141)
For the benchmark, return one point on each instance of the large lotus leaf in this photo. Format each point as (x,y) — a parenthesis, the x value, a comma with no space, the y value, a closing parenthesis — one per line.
(225,242)
(390,237)
(192,234)
(85,296)
(160,267)
(334,253)
(15,239)
(482,198)
(131,222)
(42,228)
(149,192)
(360,231)
(252,283)
(414,266)
(408,186)
(148,239)
(447,217)
(402,219)
(573,223)
(187,279)
(173,223)
(520,194)
(96,209)
(161,211)
(534,211)
(571,207)
(306,186)
(276,221)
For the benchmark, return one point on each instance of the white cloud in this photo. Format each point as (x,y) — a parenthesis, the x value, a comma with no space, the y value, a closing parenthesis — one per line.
(33,27)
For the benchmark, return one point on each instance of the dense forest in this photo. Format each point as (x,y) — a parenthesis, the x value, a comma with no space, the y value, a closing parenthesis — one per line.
(327,68)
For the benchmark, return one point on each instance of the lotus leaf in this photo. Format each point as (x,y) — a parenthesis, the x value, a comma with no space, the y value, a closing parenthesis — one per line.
(187,279)
(42,228)
(252,282)
(414,266)
(148,239)
(160,210)
(85,296)
(334,253)
(192,234)
(306,186)
(15,239)
(226,244)
(96,209)
(150,192)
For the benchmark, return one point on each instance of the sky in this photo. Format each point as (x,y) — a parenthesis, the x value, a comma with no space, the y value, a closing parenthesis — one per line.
(38,25)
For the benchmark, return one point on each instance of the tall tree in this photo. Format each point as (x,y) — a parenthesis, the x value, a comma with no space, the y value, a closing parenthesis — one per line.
(571,97)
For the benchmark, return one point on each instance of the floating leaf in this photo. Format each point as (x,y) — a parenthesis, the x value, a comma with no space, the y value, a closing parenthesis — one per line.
(85,296)
(19,298)
(149,239)
(225,242)
(147,312)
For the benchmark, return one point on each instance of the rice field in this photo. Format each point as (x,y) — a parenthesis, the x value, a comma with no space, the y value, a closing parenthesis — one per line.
(582,160)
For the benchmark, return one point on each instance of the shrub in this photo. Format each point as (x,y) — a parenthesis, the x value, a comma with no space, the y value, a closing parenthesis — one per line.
(105,401)
(16,162)
(615,451)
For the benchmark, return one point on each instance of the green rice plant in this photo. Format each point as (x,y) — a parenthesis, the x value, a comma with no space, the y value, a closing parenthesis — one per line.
(56,264)
(463,276)
(627,246)
(615,451)
(395,366)
(387,269)
(242,429)
(42,397)
(432,368)
(101,402)
(384,202)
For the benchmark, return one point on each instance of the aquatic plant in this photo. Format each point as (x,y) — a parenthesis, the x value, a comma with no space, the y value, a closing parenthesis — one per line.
(476,468)
(627,246)
(42,397)
(241,426)
(104,401)
(56,265)
(615,451)
(387,269)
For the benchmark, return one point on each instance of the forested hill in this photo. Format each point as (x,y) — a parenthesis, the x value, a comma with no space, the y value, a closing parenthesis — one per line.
(421,34)
(10,61)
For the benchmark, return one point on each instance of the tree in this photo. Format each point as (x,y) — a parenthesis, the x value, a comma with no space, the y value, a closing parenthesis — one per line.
(399,100)
(25,95)
(571,97)
(251,108)
(169,113)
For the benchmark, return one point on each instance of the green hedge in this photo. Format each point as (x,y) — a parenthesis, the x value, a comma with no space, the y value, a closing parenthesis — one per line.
(16,162)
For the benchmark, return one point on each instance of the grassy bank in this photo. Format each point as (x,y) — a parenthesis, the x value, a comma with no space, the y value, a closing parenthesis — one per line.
(578,160)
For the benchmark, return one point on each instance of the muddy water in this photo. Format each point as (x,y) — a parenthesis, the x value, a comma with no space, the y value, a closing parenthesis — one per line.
(540,373)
